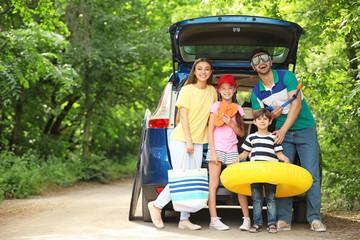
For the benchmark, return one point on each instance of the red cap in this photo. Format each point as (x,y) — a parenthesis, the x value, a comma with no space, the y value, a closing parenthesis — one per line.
(227,79)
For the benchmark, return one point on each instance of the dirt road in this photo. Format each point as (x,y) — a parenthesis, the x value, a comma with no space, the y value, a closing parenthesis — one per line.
(101,212)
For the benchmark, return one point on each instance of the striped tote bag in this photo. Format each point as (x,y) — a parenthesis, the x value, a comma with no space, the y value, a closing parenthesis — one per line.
(189,189)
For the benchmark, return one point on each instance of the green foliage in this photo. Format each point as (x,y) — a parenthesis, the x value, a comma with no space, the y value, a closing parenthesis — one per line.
(99,168)
(341,191)
(26,175)
(329,70)
(56,170)
(40,12)
(20,177)
(28,55)
(30,69)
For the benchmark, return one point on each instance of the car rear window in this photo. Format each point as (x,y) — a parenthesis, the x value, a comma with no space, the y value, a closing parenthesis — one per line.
(216,52)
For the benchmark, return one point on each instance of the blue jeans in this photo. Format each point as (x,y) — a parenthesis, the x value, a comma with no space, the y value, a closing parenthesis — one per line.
(305,143)
(257,194)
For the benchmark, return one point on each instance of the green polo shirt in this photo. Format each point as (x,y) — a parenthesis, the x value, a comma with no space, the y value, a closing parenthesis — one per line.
(277,95)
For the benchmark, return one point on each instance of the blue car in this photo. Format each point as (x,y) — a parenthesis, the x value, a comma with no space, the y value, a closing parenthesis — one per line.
(228,42)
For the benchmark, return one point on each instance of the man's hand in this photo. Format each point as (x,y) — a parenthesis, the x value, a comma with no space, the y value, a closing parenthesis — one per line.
(277,112)
(279,136)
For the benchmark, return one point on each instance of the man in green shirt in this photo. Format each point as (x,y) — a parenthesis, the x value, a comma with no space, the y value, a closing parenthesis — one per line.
(295,131)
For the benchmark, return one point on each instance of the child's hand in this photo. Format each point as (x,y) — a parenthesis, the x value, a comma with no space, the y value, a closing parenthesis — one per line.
(286,160)
(226,119)
(242,156)
(214,158)
(237,160)
(283,158)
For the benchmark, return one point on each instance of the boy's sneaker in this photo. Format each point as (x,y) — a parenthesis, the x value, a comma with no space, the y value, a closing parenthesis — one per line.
(283,226)
(246,224)
(218,225)
(318,226)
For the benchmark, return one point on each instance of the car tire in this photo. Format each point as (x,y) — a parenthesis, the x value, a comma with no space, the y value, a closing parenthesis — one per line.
(135,193)
(137,181)
(300,211)
(145,209)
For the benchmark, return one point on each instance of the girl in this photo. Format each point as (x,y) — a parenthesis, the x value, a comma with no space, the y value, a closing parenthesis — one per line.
(194,103)
(224,124)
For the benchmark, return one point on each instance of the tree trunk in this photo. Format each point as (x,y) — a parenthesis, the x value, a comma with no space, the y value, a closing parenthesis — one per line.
(56,127)
(87,126)
(351,55)
(52,116)
(18,114)
(3,117)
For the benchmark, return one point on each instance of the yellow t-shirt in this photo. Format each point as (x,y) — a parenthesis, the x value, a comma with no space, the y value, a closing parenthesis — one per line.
(198,102)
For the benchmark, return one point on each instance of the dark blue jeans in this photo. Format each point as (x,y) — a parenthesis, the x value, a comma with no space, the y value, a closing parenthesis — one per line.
(257,194)
(305,143)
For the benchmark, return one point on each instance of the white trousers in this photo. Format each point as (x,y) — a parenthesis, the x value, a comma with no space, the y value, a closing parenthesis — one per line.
(177,149)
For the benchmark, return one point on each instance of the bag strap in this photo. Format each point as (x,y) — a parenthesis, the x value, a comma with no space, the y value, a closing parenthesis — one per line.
(195,162)
(182,164)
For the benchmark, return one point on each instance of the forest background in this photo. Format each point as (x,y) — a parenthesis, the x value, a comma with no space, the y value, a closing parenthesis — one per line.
(76,77)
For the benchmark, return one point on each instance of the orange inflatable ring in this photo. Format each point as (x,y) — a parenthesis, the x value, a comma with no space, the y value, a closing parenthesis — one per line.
(291,179)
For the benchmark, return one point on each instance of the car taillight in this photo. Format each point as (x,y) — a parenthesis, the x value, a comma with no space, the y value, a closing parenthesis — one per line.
(158,123)
(160,119)
(159,190)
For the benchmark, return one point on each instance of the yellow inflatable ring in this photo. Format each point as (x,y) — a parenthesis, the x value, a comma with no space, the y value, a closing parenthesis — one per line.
(291,179)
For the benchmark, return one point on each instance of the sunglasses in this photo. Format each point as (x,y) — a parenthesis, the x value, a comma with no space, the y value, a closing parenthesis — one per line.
(256,60)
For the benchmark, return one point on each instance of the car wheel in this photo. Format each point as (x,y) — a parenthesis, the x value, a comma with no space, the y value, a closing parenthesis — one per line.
(145,209)
(137,182)
(135,194)
(300,211)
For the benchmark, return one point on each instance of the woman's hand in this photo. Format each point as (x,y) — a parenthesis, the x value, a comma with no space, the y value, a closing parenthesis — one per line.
(186,128)
(189,147)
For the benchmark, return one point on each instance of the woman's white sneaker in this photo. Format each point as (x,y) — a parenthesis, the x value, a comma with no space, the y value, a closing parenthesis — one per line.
(155,214)
(186,224)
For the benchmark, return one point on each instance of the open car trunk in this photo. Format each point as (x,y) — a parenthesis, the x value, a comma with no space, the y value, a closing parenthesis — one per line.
(228,41)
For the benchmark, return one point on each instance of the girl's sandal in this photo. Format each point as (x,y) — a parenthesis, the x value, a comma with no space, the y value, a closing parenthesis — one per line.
(272,229)
(255,229)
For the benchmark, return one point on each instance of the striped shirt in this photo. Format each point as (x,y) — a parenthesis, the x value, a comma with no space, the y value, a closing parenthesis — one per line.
(261,148)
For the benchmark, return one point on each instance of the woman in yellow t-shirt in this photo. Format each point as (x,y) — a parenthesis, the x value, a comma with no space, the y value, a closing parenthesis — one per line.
(194,104)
